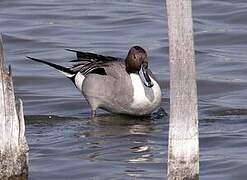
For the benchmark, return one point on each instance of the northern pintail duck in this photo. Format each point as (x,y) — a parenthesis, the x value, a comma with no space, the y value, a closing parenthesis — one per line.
(114,84)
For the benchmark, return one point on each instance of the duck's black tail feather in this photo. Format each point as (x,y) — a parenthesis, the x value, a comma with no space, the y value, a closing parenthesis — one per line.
(66,71)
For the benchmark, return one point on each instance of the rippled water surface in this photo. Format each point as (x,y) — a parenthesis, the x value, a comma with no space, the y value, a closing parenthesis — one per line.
(66,144)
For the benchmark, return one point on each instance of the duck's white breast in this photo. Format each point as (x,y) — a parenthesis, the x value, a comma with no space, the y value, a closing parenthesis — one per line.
(140,99)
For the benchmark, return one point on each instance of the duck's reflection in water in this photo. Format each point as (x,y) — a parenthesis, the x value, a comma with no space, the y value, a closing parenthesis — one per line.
(124,140)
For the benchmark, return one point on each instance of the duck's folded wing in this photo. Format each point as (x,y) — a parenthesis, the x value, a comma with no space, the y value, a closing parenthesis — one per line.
(87,62)
(87,56)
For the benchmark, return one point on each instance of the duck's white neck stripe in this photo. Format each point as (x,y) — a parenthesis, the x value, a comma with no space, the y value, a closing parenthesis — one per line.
(140,100)
(139,92)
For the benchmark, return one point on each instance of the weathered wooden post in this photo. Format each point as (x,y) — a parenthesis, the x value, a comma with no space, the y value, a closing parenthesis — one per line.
(183,148)
(13,145)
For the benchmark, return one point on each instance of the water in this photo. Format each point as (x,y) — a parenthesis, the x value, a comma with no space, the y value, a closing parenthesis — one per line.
(65,144)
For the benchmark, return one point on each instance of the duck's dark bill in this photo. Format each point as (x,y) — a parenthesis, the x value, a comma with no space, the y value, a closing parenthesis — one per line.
(145,77)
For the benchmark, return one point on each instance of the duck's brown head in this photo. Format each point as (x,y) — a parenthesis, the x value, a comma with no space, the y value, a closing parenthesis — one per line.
(137,62)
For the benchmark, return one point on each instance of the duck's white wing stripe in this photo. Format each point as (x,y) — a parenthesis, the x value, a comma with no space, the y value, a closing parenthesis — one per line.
(79,78)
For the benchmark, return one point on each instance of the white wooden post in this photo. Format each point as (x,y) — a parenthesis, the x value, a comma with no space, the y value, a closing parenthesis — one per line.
(183,148)
(13,145)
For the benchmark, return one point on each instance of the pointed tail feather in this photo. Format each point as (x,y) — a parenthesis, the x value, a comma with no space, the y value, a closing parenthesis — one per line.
(66,71)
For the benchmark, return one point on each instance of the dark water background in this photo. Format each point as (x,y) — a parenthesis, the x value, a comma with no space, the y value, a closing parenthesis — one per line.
(66,144)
